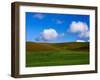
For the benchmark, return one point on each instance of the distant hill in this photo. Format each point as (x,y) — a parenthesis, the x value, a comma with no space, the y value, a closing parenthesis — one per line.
(31,46)
(75,46)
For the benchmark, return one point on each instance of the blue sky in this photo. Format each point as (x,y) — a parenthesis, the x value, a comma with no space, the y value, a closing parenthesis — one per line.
(55,28)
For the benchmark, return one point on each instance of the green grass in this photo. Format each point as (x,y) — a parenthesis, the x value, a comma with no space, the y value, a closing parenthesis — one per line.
(54,54)
(54,58)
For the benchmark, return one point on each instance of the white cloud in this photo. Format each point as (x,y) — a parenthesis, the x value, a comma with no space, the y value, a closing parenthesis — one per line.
(80,27)
(80,41)
(38,16)
(84,34)
(49,34)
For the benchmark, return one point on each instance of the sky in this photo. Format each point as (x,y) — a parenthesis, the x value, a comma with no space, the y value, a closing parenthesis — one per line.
(57,28)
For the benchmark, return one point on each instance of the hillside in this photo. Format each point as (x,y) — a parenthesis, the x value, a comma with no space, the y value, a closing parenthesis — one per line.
(76,46)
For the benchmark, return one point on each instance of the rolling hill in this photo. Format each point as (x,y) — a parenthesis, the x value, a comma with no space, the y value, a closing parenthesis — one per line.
(77,46)
(53,54)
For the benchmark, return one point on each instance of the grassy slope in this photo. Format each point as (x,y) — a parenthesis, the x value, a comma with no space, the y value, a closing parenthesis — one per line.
(57,46)
(48,54)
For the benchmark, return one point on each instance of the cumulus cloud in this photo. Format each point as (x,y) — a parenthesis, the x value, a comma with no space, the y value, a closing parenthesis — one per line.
(49,34)
(80,27)
(84,34)
(38,16)
(80,41)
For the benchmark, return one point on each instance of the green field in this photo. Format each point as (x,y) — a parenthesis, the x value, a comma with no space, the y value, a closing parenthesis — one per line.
(53,54)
